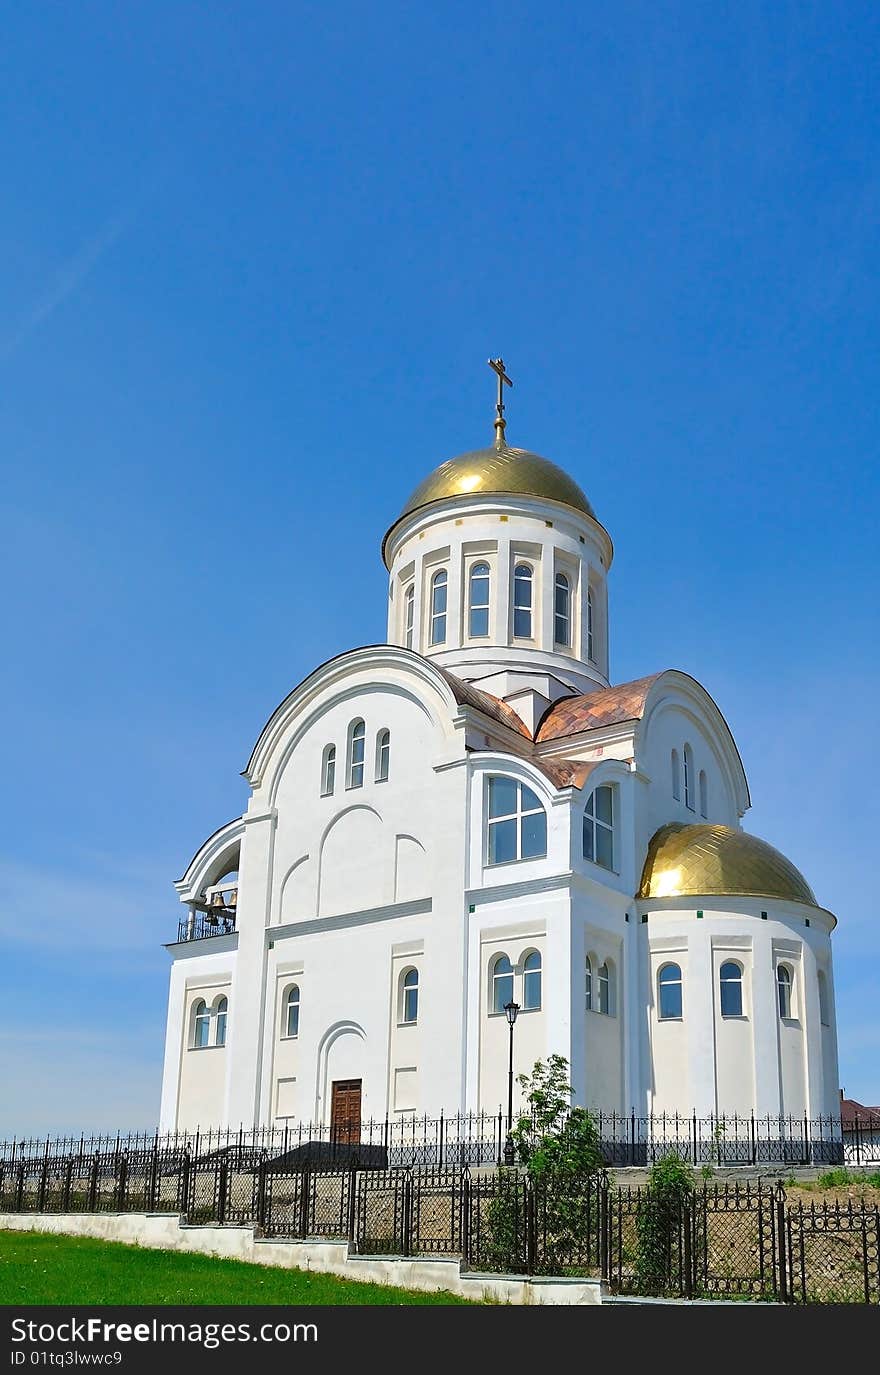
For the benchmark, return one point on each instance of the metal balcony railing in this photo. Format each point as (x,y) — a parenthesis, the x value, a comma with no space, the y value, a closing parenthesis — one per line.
(199,926)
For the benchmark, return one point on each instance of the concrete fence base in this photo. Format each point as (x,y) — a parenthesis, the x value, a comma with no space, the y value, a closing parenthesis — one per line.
(168,1232)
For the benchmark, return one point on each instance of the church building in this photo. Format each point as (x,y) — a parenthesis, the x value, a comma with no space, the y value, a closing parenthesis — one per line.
(473,815)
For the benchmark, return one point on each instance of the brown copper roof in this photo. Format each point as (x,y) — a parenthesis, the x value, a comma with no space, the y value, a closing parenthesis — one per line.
(468,696)
(565,773)
(606,707)
(852,1111)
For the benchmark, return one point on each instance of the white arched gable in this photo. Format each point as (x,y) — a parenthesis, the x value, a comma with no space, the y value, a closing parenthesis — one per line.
(680,691)
(217,856)
(388,668)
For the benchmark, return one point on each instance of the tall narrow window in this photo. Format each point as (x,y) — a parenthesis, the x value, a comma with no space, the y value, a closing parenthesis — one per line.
(383,755)
(328,770)
(409,611)
(688,773)
(731,989)
(590,621)
(502,983)
(438,607)
(478,611)
(599,827)
(291,1011)
(824,1009)
(517,822)
(201,1024)
(783,985)
(669,992)
(562,611)
(588,984)
(522,602)
(676,776)
(532,982)
(357,735)
(604,989)
(704,793)
(410,1001)
(220,1013)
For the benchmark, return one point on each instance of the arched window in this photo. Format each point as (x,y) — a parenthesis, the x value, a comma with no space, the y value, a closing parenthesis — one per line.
(478,619)
(357,735)
(783,985)
(221,1008)
(599,826)
(502,983)
(562,611)
(522,602)
(328,770)
(590,620)
(604,989)
(731,980)
(704,793)
(669,992)
(409,611)
(688,777)
(517,822)
(588,984)
(383,755)
(409,1003)
(201,1025)
(824,1009)
(676,776)
(291,1011)
(438,608)
(532,981)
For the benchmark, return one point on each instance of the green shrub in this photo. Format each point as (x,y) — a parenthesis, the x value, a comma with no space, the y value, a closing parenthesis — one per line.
(664,1211)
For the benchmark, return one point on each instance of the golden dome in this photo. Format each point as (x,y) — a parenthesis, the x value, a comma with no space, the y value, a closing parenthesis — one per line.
(697,861)
(499,472)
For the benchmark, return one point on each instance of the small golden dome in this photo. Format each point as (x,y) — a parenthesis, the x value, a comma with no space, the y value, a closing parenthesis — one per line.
(499,472)
(697,861)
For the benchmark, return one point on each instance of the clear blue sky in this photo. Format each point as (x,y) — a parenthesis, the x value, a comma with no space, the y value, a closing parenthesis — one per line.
(253,259)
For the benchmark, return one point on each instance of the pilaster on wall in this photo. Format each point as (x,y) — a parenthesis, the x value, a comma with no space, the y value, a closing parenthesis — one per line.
(700,1020)
(246,1006)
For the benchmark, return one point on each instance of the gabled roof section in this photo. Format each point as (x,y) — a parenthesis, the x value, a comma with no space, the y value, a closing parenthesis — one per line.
(467,696)
(566,773)
(606,707)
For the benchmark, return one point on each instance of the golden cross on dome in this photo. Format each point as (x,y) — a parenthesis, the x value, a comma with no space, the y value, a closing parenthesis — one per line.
(497,366)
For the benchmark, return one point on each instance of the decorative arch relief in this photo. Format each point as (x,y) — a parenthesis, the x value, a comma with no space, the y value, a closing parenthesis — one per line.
(410,869)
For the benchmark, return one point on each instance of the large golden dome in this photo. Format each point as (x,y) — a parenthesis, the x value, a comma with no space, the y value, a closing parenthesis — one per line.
(499,472)
(704,861)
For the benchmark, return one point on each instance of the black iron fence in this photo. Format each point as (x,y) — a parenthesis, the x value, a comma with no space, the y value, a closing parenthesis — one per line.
(726,1240)
(478,1139)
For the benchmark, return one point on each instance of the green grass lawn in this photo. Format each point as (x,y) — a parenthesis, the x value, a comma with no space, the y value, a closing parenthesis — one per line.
(38,1267)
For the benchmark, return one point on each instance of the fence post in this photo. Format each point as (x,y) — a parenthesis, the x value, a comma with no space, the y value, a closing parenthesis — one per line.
(121,1183)
(92,1200)
(185,1175)
(603,1229)
(781,1257)
(531,1220)
(687,1216)
(464,1220)
(41,1196)
(260,1204)
(352,1203)
(222,1187)
(305,1198)
(20,1190)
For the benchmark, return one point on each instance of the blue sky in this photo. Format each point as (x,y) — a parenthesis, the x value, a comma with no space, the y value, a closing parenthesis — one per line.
(252,262)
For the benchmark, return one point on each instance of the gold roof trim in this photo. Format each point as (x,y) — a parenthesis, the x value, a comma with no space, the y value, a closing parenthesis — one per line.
(703,860)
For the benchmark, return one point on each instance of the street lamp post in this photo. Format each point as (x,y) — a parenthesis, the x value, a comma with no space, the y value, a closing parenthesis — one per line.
(512,1011)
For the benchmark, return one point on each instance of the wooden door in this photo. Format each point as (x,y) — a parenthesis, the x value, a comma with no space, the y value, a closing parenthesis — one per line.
(345,1111)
